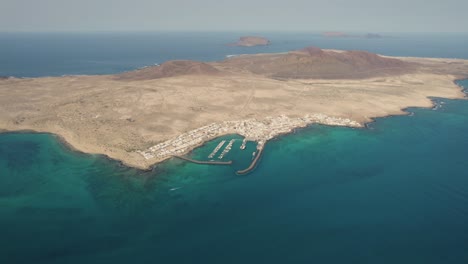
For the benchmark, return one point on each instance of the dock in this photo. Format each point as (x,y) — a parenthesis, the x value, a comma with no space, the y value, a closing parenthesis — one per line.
(227,149)
(253,164)
(213,153)
(205,162)
(244,142)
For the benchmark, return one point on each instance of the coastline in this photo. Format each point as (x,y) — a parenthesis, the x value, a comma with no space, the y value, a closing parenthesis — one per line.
(462,88)
(73,148)
(144,122)
(76,148)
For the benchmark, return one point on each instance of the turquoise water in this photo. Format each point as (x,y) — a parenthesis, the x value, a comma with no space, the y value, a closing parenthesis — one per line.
(396,192)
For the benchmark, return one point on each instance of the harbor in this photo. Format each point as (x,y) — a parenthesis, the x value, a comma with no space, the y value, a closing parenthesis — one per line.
(204,162)
(244,159)
(253,165)
(227,149)
(244,142)
(218,147)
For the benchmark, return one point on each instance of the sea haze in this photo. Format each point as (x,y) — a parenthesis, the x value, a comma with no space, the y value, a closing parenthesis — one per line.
(395,192)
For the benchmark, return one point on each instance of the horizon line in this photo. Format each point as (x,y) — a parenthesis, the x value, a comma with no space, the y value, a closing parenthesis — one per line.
(230,31)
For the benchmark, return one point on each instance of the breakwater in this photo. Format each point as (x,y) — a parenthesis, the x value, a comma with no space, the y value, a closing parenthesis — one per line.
(253,164)
(205,162)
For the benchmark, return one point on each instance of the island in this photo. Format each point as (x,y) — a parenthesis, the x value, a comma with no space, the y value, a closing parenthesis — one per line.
(250,41)
(149,115)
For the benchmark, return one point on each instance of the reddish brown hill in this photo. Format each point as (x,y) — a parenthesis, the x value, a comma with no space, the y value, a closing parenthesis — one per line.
(307,63)
(313,62)
(170,69)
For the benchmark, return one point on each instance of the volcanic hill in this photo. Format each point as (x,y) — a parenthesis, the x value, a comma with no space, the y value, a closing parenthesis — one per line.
(315,63)
(170,69)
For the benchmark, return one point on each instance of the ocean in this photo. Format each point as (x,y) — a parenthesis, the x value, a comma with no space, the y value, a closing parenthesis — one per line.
(55,54)
(394,192)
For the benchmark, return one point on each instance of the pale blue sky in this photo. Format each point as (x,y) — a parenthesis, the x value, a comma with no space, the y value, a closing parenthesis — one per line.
(235,15)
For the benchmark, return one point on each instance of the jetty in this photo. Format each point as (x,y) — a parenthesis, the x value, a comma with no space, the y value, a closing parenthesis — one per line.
(253,164)
(215,150)
(227,149)
(244,142)
(204,162)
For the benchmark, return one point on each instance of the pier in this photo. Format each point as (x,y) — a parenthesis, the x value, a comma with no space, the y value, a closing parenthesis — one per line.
(213,153)
(227,149)
(205,162)
(253,164)
(244,142)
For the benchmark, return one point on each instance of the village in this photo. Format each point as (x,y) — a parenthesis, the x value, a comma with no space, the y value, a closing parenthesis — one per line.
(251,129)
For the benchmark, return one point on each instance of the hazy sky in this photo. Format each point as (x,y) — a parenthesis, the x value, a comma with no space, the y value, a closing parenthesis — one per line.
(229,15)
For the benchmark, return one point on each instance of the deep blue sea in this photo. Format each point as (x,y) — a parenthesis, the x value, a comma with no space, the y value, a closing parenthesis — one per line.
(395,192)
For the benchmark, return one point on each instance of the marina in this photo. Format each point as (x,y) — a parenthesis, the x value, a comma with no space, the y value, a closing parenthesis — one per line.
(227,149)
(213,153)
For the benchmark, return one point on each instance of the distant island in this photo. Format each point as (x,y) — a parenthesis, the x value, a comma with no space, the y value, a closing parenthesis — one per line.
(145,116)
(250,41)
(338,34)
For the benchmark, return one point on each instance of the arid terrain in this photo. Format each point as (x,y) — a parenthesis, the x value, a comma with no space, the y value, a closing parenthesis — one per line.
(145,116)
